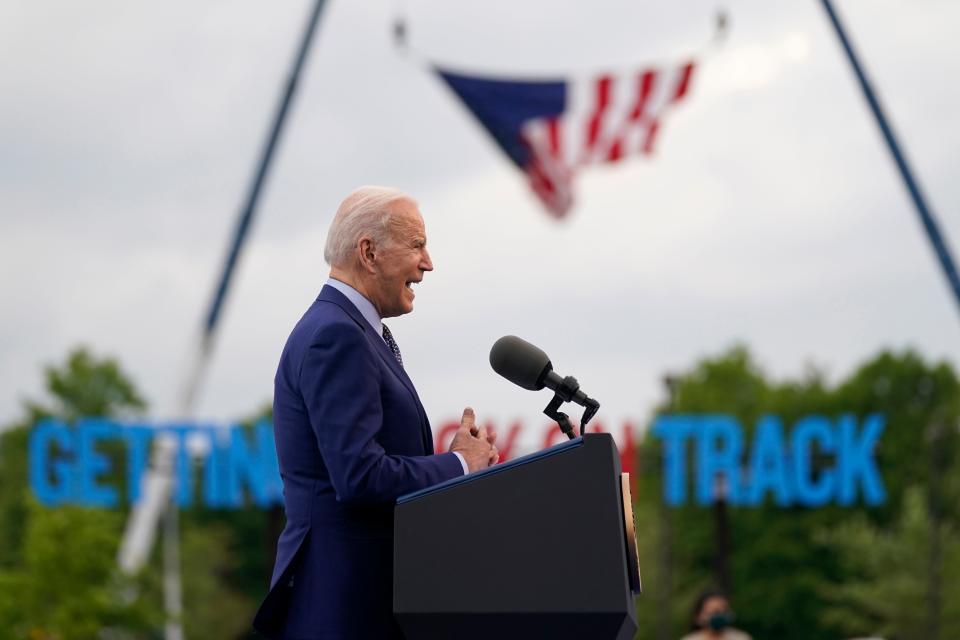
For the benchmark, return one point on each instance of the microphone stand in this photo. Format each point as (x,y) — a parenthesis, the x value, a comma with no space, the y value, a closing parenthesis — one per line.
(565,392)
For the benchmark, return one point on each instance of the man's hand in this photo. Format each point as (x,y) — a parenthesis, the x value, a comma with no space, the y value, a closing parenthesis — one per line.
(474,443)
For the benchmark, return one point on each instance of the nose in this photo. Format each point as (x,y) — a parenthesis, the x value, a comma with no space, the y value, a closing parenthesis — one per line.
(425,263)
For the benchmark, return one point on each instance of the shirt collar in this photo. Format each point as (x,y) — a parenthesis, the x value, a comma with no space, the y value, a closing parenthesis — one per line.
(364,306)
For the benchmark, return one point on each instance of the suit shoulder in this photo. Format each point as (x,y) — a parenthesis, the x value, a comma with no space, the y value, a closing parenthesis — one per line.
(325,319)
(323,322)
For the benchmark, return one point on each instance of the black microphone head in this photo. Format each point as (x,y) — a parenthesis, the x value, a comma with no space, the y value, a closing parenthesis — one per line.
(520,362)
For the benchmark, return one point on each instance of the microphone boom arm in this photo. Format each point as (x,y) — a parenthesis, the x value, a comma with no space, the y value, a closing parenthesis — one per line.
(565,392)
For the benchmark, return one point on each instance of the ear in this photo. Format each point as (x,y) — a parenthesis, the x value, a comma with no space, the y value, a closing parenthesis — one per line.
(366,252)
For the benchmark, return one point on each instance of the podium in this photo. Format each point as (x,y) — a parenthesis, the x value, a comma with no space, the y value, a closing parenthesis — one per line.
(539,547)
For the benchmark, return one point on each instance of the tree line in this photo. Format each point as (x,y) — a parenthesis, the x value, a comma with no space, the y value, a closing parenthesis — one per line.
(791,572)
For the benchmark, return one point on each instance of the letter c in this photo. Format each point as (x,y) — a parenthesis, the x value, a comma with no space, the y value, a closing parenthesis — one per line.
(812,493)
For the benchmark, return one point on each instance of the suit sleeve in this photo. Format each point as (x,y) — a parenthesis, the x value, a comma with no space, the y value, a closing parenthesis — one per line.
(340,382)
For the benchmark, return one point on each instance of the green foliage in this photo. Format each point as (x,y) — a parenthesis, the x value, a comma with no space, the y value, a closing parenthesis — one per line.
(67,585)
(917,399)
(213,607)
(248,536)
(795,573)
(224,585)
(888,588)
(87,386)
(13,494)
(58,576)
(802,573)
(58,569)
(82,386)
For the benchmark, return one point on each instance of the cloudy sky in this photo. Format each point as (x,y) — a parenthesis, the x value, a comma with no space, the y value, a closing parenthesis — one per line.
(771,213)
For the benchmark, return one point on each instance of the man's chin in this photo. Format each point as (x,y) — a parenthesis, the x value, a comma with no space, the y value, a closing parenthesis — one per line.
(407,304)
(398,311)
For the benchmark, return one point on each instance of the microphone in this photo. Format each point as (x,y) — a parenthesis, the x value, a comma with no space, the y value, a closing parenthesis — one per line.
(527,366)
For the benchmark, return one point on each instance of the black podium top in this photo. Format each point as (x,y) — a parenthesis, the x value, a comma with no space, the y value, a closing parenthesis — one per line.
(489,471)
(551,528)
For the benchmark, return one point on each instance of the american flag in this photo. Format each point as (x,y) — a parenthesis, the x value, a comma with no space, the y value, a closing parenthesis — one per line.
(551,128)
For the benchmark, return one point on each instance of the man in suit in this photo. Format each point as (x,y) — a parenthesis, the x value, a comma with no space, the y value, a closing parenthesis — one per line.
(351,432)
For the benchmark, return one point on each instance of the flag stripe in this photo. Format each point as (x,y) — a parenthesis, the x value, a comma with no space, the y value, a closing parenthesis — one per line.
(685,74)
(551,128)
(602,102)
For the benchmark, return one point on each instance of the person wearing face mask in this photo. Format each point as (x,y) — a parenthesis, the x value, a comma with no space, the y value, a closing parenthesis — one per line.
(712,619)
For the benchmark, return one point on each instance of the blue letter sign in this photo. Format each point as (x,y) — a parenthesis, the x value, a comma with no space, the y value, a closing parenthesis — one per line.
(69,465)
(825,461)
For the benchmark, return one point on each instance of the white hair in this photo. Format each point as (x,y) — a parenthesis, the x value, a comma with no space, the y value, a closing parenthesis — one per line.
(366,211)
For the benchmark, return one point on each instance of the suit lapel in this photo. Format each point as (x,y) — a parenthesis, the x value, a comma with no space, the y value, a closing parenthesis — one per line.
(329,294)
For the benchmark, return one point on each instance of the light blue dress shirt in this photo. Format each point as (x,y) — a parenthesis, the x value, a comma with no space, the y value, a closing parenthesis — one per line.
(369,313)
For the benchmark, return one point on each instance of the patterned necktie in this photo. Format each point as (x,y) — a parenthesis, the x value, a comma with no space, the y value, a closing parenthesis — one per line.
(388,338)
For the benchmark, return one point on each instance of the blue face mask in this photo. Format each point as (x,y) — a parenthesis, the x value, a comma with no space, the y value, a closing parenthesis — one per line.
(720,621)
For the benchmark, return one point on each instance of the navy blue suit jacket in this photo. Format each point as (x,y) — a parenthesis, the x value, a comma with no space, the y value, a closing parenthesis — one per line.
(351,437)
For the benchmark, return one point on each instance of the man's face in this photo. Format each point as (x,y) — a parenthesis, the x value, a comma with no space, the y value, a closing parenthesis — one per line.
(401,263)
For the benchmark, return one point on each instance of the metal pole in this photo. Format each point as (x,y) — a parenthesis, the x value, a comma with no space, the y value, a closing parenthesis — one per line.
(926,215)
(721,530)
(158,496)
(665,555)
(253,195)
(172,584)
(939,463)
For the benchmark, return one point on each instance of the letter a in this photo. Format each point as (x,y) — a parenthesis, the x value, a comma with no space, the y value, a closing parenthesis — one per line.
(768,469)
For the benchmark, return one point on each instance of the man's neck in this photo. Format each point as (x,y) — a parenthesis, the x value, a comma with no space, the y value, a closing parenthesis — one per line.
(350,278)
